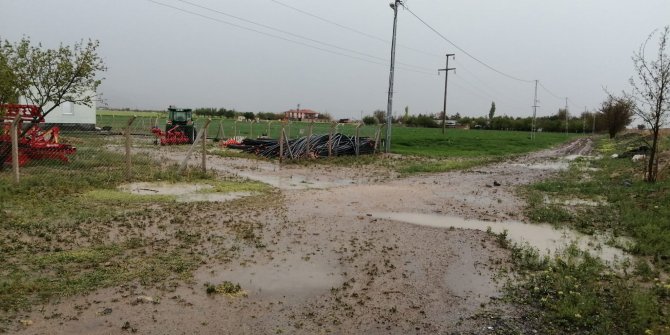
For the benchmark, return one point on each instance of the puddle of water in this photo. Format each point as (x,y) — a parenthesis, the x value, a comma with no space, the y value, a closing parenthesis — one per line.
(212,197)
(163,188)
(294,277)
(183,192)
(575,202)
(558,165)
(544,237)
(295,182)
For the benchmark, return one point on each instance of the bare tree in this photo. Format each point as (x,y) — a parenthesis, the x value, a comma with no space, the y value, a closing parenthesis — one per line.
(651,93)
(617,112)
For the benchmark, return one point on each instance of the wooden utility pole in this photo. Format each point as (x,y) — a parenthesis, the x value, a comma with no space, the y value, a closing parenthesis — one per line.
(444,107)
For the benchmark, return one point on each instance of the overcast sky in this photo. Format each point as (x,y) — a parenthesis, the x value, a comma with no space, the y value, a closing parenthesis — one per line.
(200,55)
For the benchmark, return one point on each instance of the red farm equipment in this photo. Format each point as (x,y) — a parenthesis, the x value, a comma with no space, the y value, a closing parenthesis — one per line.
(179,128)
(172,136)
(34,142)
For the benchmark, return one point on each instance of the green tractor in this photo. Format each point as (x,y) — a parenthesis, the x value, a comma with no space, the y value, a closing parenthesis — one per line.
(181,119)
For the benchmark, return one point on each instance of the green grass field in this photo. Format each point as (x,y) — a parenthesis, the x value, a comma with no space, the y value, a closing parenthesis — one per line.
(425,142)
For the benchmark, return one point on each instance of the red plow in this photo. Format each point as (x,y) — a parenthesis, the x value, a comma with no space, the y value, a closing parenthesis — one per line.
(34,142)
(171,137)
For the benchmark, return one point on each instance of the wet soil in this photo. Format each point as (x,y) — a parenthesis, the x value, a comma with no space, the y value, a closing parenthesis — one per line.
(338,257)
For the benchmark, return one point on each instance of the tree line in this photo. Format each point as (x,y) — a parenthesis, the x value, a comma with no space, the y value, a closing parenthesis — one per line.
(231,114)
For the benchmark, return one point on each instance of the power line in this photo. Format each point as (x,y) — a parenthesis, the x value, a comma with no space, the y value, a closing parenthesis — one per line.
(492,91)
(295,35)
(550,92)
(465,52)
(280,37)
(351,29)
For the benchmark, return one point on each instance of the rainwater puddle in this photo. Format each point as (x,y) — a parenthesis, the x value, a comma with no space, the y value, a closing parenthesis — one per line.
(183,192)
(558,165)
(295,182)
(579,202)
(544,237)
(294,277)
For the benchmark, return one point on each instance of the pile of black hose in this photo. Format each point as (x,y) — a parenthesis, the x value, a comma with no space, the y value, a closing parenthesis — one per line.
(341,145)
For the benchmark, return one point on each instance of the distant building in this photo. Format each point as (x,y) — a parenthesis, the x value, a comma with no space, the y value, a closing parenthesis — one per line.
(301,114)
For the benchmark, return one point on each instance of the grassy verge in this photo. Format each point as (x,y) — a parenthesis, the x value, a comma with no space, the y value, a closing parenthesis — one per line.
(609,195)
(575,293)
(66,229)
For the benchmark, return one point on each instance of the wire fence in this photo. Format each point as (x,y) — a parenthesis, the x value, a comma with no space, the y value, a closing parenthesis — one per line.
(135,147)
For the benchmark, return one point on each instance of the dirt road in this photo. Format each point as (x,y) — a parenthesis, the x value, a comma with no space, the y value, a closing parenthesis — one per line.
(336,262)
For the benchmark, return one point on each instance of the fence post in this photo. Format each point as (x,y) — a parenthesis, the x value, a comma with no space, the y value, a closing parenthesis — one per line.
(268,133)
(204,145)
(377,137)
(330,138)
(281,143)
(15,147)
(184,163)
(129,164)
(357,139)
(251,129)
(309,137)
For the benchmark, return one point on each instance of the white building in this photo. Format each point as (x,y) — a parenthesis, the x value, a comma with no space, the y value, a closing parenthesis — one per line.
(70,115)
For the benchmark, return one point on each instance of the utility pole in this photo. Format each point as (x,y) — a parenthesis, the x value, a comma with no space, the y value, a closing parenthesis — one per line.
(584,121)
(389,107)
(594,124)
(533,125)
(444,107)
(566,116)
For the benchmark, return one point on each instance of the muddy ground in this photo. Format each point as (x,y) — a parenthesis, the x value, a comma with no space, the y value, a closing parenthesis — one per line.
(332,262)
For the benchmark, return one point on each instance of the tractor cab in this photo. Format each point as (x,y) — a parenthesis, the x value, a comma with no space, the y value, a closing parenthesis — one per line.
(181,120)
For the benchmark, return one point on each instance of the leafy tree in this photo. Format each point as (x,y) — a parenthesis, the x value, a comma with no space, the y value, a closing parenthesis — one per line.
(617,113)
(325,116)
(492,111)
(10,86)
(380,115)
(55,76)
(369,120)
(249,115)
(228,113)
(651,93)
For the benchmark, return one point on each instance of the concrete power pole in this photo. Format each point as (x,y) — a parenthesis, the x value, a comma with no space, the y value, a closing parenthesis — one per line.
(533,124)
(566,116)
(389,106)
(446,77)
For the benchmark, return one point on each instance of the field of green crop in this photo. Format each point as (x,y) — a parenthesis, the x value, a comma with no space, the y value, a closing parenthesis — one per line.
(425,142)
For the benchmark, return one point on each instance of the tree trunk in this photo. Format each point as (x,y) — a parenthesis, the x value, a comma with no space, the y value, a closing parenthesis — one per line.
(651,173)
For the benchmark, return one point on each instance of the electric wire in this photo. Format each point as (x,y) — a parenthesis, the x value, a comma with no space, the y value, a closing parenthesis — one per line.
(362,33)
(465,52)
(280,37)
(550,92)
(295,35)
